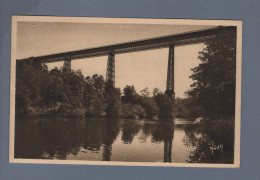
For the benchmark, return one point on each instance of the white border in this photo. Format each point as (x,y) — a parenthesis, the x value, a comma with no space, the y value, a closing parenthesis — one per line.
(237,23)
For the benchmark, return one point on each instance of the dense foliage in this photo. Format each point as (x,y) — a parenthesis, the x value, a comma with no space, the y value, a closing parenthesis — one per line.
(144,101)
(213,89)
(165,104)
(186,108)
(67,93)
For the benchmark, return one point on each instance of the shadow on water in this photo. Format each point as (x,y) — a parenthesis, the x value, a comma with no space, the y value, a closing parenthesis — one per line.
(57,138)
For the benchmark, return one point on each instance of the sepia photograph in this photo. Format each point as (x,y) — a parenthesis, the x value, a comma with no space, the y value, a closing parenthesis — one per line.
(125,91)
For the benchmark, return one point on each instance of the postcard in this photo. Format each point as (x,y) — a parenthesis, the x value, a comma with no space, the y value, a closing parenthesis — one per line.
(125,91)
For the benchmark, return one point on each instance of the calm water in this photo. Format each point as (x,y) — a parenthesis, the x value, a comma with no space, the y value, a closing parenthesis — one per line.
(102,139)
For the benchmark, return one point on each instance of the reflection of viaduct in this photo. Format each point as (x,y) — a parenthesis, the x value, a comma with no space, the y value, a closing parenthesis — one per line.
(141,45)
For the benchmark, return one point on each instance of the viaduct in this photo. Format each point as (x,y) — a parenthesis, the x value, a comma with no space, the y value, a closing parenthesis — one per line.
(128,47)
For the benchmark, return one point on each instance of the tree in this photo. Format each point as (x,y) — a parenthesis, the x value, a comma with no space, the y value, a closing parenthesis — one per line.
(56,92)
(150,106)
(55,72)
(165,105)
(145,92)
(186,108)
(94,95)
(214,86)
(75,83)
(113,99)
(156,92)
(129,94)
(98,82)
(132,111)
(25,89)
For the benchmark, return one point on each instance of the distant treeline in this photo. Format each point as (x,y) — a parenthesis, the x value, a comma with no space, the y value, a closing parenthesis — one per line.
(67,93)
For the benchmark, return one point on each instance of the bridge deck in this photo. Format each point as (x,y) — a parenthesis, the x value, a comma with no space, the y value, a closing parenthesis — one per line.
(141,45)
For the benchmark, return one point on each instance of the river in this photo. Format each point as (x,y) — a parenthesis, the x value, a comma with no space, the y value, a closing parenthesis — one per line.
(103,139)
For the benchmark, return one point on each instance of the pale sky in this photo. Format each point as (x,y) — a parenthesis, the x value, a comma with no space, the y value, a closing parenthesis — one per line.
(141,69)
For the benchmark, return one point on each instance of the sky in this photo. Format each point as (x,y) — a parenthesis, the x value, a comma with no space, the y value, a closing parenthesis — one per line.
(141,69)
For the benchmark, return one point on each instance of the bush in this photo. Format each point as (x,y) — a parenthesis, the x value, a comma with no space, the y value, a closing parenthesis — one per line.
(149,105)
(132,111)
(68,110)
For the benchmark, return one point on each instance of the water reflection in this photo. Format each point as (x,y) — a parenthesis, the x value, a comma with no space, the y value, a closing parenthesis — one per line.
(212,145)
(161,132)
(129,131)
(120,140)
